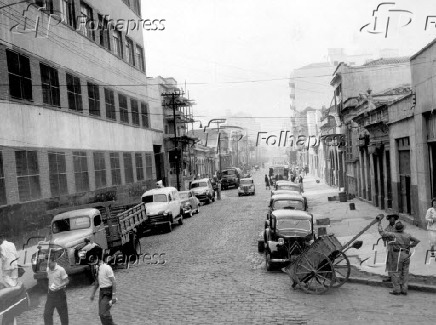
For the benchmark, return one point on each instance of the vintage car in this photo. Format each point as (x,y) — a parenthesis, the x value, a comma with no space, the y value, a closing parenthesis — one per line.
(289,200)
(288,234)
(230,177)
(203,190)
(163,207)
(282,186)
(190,204)
(246,187)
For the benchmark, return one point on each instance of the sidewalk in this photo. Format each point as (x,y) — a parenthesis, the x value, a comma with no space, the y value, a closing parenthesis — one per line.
(369,261)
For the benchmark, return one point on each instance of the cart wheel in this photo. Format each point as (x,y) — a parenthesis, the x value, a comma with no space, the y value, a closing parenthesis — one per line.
(342,268)
(315,275)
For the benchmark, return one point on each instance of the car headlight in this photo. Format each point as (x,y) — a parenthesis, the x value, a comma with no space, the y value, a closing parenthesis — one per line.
(281,241)
(82,254)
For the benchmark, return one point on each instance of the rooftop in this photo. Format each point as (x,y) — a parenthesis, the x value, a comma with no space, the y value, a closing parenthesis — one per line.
(385,61)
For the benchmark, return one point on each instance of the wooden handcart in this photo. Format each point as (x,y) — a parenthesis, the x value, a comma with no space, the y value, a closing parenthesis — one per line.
(324,264)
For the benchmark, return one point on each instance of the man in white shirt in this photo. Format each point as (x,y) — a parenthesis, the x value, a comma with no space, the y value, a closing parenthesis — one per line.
(9,258)
(56,296)
(108,289)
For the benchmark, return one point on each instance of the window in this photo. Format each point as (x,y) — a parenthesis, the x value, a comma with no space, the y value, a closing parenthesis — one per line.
(86,21)
(130,52)
(124,111)
(58,173)
(103,27)
(27,175)
(128,167)
(2,182)
(110,104)
(74,93)
(115,168)
(46,5)
(50,85)
(135,111)
(68,12)
(144,115)
(148,166)
(81,176)
(100,169)
(139,167)
(20,79)
(118,43)
(94,99)
(140,58)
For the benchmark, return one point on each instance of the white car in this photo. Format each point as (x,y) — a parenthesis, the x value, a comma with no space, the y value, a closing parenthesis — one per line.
(163,207)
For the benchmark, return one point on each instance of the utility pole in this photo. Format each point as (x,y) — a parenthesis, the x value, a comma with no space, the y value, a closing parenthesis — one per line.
(174,104)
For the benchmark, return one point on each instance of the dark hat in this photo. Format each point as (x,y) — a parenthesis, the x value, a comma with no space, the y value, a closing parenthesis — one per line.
(399,226)
(395,216)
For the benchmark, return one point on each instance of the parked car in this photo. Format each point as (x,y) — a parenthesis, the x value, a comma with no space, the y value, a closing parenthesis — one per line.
(283,186)
(203,190)
(230,177)
(246,187)
(288,234)
(256,167)
(286,201)
(190,204)
(163,207)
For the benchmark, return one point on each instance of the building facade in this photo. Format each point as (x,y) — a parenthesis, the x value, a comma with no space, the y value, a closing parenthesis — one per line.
(77,126)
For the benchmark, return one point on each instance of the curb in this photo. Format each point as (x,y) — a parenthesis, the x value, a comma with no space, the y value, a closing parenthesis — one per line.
(377,283)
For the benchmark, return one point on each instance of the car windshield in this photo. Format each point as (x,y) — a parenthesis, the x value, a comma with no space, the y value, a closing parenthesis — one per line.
(246,181)
(154,198)
(288,204)
(80,222)
(229,172)
(295,224)
(199,184)
(183,195)
(288,187)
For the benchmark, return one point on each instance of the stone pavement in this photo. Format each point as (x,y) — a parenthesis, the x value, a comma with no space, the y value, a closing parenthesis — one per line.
(370,258)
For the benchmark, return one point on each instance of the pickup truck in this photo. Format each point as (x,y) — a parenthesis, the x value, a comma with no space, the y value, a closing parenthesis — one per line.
(112,229)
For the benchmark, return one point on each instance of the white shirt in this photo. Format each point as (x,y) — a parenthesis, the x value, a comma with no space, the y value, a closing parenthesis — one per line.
(56,277)
(104,273)
(8,254)
(431,218)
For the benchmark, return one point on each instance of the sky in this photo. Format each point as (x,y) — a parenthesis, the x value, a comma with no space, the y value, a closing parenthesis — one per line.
(238,55)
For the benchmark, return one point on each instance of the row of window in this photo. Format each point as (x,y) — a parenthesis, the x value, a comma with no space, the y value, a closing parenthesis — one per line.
(84,23)
(20,87)
(28,172)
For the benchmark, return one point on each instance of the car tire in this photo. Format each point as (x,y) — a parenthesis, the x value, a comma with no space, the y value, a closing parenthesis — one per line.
(189,215)
(169,227)
(260,246)
(239,194)
(269,264)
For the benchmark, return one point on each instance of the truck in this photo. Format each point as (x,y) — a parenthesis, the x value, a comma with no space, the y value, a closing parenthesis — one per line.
(112,229)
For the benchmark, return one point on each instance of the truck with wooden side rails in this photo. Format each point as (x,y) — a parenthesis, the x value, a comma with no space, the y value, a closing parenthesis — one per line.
(105,229)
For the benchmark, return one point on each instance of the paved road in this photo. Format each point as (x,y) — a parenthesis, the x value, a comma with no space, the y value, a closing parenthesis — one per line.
(214,275)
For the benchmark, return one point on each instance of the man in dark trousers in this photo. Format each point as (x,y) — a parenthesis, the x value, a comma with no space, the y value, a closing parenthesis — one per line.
(108,290)
(392,218)
(401,243)
(56,296)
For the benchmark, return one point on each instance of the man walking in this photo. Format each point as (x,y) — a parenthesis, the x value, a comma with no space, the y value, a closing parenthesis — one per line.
(56,296)
(108,288)
(392,218)
(267,186)
(401,243)
(9,257)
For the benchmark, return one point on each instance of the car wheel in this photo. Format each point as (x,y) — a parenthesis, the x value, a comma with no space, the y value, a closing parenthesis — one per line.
(189,215)
(169,226)
(239,194)
(260,246)
(269,264)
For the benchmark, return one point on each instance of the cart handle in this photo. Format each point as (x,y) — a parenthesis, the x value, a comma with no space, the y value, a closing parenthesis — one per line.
(379,217)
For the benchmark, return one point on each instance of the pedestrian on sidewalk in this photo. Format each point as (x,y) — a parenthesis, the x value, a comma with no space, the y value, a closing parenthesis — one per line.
(392,218)
(401,244)
(267,186)
(56,295)
(431,225)
(108,289)
(9,264)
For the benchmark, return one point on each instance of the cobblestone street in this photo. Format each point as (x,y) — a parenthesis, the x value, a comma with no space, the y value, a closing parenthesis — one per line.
(214,275)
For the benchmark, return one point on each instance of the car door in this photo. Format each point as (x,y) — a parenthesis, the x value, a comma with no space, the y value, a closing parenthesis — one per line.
(99,231)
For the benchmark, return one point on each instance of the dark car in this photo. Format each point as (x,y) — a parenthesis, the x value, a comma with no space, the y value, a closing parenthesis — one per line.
(230,177)
(203,190)
(288,234)
(283,186)
(246,187)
